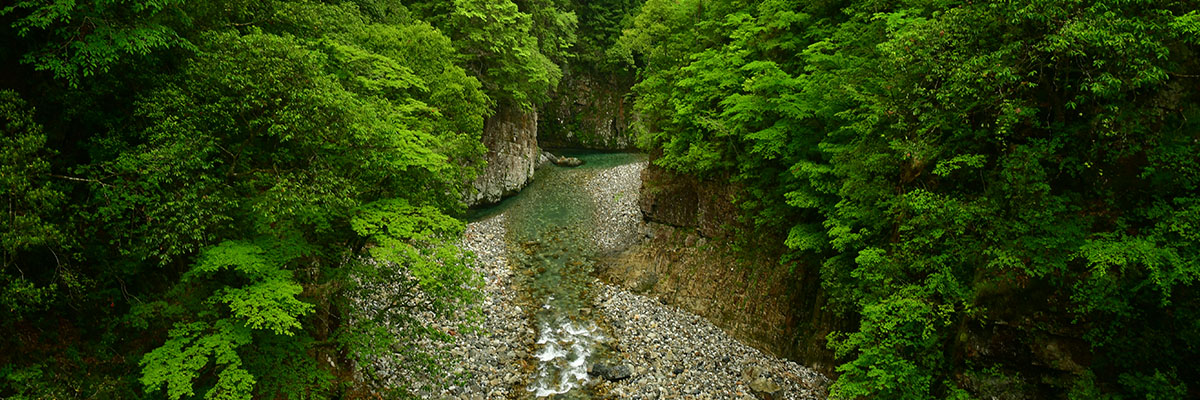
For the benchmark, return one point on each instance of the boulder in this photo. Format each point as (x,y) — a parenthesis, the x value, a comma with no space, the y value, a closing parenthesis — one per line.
(611,373)
(766,389)
(568,162)
(545,157)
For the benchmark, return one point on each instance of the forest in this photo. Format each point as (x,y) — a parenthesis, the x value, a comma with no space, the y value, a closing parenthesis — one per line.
(199,196)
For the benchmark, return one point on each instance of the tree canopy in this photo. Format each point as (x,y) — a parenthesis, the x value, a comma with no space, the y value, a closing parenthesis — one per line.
(234,184)
(206,199)
(950,166)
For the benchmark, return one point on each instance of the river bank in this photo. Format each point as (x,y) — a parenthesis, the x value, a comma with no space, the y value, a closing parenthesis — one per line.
(668,353)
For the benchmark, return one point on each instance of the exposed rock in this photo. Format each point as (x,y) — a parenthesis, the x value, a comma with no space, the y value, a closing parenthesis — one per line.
(545,157)
(568,162)
(1057,353)
(684,201)
(511,140)
(997,384)
(611,373)
(683,258)
(645,283)
(589,110)
(766,389)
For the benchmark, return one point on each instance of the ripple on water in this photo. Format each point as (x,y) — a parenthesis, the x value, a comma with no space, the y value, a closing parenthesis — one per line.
(564,349)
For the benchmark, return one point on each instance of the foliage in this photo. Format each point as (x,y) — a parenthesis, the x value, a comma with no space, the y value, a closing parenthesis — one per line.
(512,47)
(600,24)
(86,38)
(945,162)
(27,225)
(224,185)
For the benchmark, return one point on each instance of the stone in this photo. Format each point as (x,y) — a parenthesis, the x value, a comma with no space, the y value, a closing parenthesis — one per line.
(751,373)
(612,373)
(766,389)
(570,162)
(544,158)
(645,283)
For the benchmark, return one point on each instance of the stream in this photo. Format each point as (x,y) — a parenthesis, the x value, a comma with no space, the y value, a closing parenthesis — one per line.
(551,240)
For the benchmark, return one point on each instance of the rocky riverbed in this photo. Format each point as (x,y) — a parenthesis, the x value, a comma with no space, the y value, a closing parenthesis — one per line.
(651,350)
(492,361)
(617,217)
(673,354)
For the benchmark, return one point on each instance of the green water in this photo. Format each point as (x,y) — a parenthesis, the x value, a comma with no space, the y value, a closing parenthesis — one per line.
(551,246)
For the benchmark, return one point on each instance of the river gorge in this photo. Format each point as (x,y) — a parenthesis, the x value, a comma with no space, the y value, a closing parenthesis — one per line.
(551,328)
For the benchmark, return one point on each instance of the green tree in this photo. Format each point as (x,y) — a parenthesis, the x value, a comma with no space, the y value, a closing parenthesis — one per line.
(231,197)
(28,230)
(78,39)
(946,165)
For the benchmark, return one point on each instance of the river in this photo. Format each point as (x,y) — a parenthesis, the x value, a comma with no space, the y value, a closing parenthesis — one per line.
(552,245)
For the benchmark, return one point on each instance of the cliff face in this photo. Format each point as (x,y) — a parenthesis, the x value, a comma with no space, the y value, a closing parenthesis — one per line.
(589,110)
(688,259)
(512,143)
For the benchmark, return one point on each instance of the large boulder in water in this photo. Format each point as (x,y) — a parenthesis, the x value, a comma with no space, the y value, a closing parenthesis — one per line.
(567,162)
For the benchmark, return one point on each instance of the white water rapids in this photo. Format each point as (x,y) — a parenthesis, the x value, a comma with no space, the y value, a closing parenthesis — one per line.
(563,351)
(551,239)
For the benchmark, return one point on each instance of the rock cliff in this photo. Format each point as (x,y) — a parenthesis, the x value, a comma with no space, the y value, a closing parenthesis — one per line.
(688,258)
(589,110)
(511,139)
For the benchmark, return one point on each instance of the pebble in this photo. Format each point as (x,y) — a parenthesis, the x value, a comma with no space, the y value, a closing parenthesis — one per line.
(618,218)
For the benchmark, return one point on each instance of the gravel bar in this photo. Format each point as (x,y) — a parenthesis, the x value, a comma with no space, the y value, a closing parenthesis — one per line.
(678,355)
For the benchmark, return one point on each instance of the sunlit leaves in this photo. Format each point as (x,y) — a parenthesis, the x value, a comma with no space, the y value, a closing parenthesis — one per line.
(419,240)
(268,301)
(892,349)
(192,348)
(496,39)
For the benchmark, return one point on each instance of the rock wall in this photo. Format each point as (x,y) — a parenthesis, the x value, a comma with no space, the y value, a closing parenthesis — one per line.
(511,139)
(688,259)
(589,110)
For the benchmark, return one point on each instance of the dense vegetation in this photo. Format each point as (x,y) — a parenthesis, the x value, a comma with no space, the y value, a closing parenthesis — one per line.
(200,196)
(957,169)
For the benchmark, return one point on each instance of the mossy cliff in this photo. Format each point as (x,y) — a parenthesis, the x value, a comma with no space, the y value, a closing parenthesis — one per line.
(590,110)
